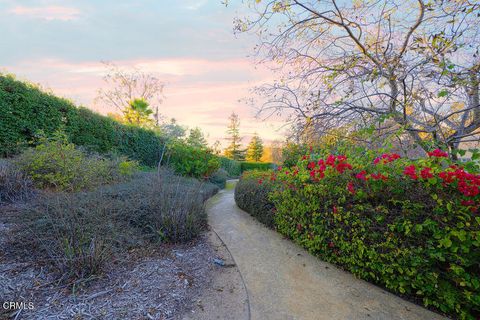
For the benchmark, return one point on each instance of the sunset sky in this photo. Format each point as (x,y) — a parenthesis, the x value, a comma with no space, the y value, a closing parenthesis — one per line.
(189,44)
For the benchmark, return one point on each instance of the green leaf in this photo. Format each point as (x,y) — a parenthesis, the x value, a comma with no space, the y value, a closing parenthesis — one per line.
(443,93)
(446,242)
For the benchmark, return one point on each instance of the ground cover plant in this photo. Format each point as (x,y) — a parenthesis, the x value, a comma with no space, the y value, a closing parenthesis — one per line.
(79,233)
(412,226)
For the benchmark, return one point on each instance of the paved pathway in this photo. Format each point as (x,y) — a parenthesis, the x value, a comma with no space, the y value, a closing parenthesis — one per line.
(283,281)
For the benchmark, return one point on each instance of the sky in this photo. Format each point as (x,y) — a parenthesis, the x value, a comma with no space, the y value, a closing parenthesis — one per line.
(188,44)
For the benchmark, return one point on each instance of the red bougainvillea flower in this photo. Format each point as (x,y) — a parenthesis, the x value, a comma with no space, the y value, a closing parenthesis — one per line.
(410,171)
(342,166)
(362,175)
(330,160)
(311,165)
(386,158)
(426,173)
(379,176)
(467,203)
(437,153)
(351,188)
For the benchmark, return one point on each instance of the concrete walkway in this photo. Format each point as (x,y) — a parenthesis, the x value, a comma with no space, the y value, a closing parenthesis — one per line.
(283,281)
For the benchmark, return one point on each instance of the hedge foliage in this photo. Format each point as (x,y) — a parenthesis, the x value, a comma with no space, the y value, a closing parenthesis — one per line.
(251,195)
(26,111)
(261,166)
(232,167)
(410,226)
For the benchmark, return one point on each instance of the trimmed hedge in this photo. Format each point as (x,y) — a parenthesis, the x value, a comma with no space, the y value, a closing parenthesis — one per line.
(26,110)
(251,195)
(232,167)
(410,226)
(260,166)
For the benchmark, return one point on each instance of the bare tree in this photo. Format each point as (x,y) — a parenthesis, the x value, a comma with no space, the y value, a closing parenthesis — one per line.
(402,65)
(127,85)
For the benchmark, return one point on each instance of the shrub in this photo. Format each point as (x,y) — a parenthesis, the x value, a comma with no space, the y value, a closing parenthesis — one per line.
(57,164)
(14,185)
(232,167)
(191,161)
(411,226)
(219,178)
(81,232)
(251,195)
(260,166)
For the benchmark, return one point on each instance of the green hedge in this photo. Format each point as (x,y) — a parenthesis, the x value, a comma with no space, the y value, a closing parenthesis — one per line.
(232,167)
(261,166)
(251,195)
(410,226)
(26,110)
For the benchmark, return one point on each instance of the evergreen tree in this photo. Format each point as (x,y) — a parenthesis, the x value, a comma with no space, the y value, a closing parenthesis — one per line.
(234,150)
(255,148)
(196,138)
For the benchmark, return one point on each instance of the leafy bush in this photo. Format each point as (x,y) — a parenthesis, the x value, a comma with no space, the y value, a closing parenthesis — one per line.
(81,232)
(57,164)
(14,185)
(245,166)
(232,167)
(191,161)
(219,178)
(251,195)
(411,226)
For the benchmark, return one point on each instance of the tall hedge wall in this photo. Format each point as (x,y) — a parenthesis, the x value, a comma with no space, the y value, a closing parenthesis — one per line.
(25,110)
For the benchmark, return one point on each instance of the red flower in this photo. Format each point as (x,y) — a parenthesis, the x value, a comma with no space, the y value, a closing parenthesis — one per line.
(331,244)
(362,175)
(438,154)
(335,210)
(330,160)
(467,203)
(342,166)
(411,172)
(426,173)
(311,165)
(279,168)
(260,181)
(379,176)
(386,158)
(351,188)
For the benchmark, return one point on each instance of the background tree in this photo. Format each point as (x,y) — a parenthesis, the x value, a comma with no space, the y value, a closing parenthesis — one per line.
(406,66)
(234,149)
(128,85)
(255,148)
(196,138)
(173,130)
(138,113)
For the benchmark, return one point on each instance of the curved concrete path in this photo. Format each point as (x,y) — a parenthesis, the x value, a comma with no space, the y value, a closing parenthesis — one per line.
(283,281)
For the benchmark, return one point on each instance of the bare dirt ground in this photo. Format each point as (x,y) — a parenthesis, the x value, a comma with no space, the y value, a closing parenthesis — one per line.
(158,282)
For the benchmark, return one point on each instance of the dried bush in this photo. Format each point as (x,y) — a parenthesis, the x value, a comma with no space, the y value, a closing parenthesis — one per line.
(81,232)
(14,185)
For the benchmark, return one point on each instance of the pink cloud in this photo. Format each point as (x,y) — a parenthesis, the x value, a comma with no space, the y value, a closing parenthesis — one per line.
(47,12)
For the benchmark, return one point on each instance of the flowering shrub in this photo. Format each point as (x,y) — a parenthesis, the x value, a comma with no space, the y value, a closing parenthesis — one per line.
(411,226)
(251,195)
